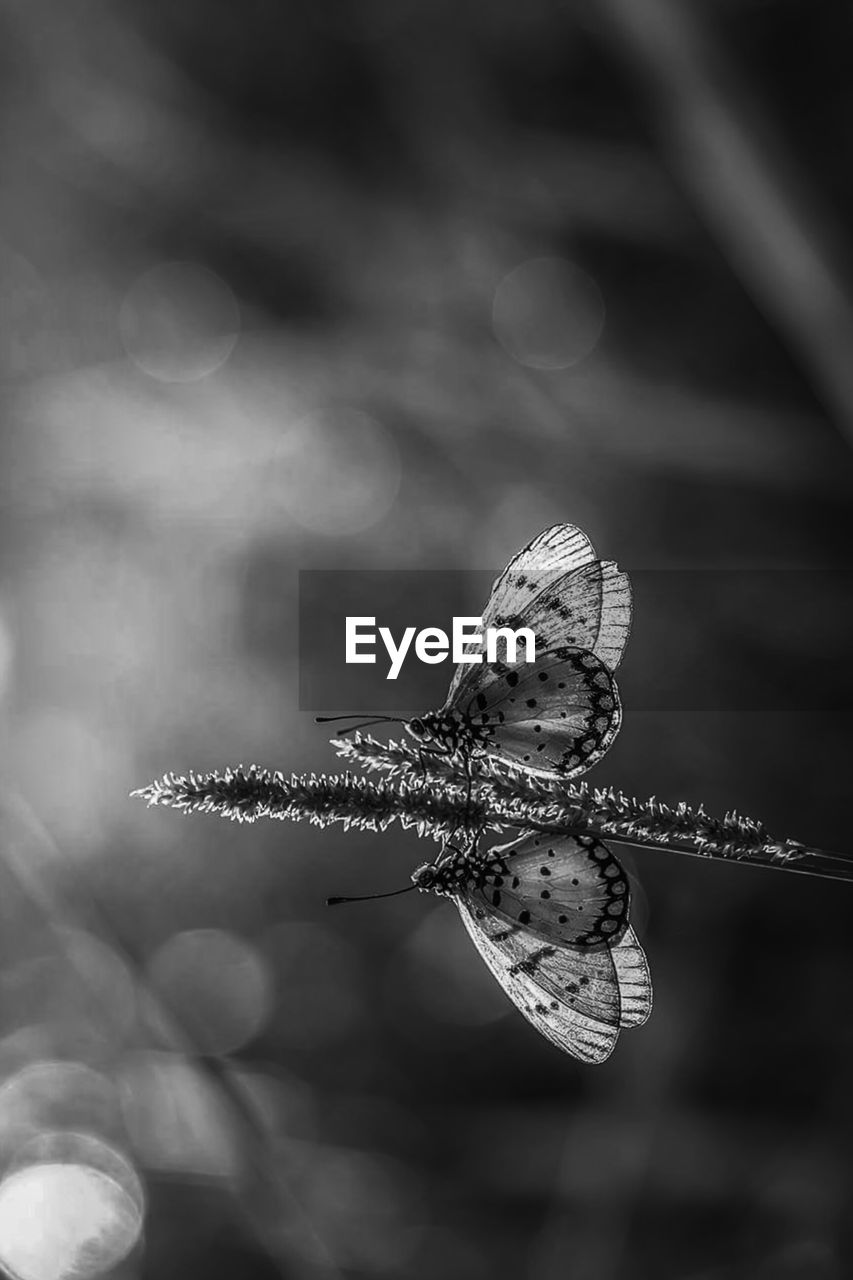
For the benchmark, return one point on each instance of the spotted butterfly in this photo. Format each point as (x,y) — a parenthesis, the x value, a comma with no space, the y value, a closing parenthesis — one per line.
(560,714)
(549,915)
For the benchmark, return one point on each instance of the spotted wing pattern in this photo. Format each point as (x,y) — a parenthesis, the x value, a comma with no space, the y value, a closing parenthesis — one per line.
(573,997)
(569,599)
(569,890)
(558,715)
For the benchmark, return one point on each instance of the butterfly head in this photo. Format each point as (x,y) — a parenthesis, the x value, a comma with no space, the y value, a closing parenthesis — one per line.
(448,875)
(426,877)
(439,877)
(417,728)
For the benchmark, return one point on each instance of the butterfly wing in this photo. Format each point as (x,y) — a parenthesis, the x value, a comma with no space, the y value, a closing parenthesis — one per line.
(569,599)
(574,998)
(635,982)
(558,715)
(589,608)
(569,890)
(557,552)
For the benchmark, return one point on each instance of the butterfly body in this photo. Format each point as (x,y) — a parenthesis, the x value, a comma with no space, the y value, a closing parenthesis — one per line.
(450,730)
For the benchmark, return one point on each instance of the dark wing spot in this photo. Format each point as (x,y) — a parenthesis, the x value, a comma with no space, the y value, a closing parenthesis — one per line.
(524,917)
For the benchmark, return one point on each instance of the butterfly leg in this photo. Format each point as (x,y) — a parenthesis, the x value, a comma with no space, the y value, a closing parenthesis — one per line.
(441,752)
(469,782)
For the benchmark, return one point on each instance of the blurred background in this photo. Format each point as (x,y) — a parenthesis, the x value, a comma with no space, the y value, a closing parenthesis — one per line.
(394,284)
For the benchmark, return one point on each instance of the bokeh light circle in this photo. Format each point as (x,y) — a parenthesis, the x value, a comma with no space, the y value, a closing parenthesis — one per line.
(72,1209)
(215,984)
(48,1095)
(336,472)
(179,322)
(548,313)
(78,988)
(175,1116)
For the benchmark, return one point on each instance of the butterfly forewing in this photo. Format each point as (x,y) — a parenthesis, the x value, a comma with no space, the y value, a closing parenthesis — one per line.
(570,890)
(576,1010)
(556,552)
(557,588)
(558,715)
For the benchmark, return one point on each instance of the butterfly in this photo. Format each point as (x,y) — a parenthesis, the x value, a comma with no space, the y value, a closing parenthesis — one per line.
(549,915)
(559,714)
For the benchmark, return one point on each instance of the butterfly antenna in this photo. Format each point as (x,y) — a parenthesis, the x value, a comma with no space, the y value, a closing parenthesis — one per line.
(368,897)
(365,724)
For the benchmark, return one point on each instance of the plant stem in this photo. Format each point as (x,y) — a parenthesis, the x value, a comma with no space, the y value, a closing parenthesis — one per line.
(440,806)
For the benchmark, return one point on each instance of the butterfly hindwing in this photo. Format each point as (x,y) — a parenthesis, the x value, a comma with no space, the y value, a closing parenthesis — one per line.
(589,608)
(635,983)
(557,715)
(570,890)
